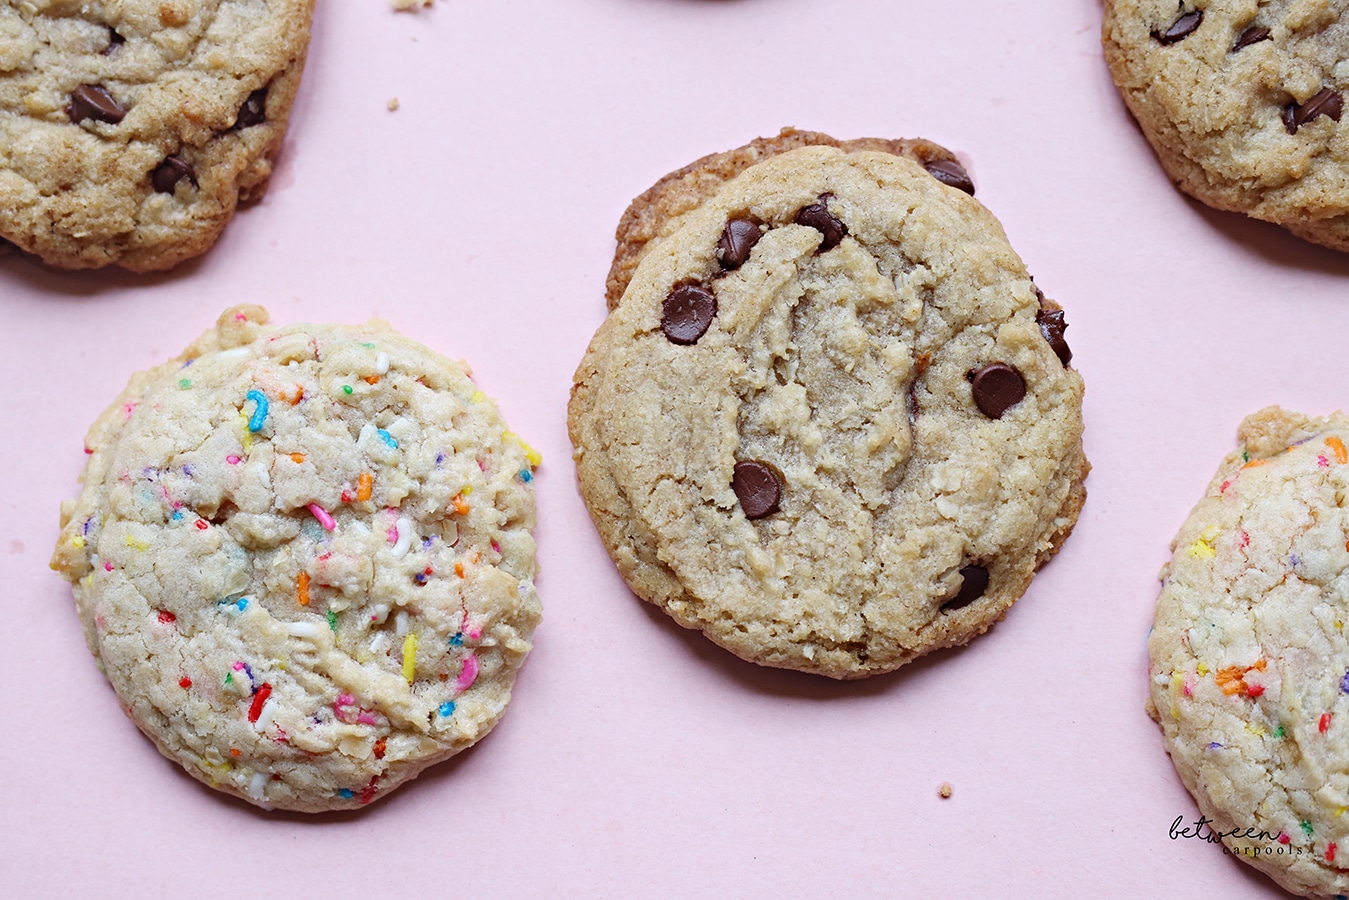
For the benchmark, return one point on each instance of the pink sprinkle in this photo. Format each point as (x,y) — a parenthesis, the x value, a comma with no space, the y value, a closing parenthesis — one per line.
(1245,539)
(1322,462)
(238,667)
(367,718)
(1189,685)
(240,317)
(496,548)
(469,673)
(482,465)
(128,409)
(107,566)
(1283,838)
(322,515)
(474,634)
(392,534)
(232,460)
(1224,487)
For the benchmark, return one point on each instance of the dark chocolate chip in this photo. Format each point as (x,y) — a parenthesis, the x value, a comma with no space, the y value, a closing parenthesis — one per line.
(973,583)
(738,238)
(254,110)
(1052,326)
(92,101)
(172,170)
(1253,35)
(757,487)
(997,388)
(115,40)
(1180,28)
(819,218)
(1325,102)
(687,313)
(948,171)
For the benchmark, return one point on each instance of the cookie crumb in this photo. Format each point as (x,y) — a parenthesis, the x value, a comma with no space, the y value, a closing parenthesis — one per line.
(392,104)
(409,4)
(945,790)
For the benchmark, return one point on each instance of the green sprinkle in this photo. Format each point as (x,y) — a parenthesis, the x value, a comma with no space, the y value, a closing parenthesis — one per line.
(1307,828)
(1245,457)
(229,678)
(1278,732)
(332,621)
(368,345)
(184,383)
(346,389)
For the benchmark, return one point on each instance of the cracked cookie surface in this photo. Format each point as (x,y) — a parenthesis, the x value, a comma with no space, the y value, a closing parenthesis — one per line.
(303,558)
(130,131)
(780,429)
(1243,102)
(1249,659)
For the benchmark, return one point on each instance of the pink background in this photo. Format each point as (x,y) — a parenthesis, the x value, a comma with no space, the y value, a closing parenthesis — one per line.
(637,758)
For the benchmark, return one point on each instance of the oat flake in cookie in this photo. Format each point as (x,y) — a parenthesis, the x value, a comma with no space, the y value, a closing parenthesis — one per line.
(830,422)
(130,131)
(1249,655)
(1243,102)
(303,558)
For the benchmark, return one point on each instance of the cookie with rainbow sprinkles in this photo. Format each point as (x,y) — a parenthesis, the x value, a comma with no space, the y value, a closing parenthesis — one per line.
(1249,655)
(303,558)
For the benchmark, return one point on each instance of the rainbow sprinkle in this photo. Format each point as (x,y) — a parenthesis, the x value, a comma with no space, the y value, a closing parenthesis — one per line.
(260,407)
(409,657)
(322,515)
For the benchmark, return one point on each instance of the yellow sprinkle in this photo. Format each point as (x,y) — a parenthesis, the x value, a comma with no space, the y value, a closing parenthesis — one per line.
(1256,730)
(77,541)
(1339,626)
(1339,812)
(87,580)
(409,656)
(478,397)
(1201,669)
(137,543)
(1203,548)
(534,456)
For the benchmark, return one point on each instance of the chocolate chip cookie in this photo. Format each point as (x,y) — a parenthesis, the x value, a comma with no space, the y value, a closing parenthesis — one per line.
(1249,655)
(302,557)
(1243,103)
(831,421)
(130,132)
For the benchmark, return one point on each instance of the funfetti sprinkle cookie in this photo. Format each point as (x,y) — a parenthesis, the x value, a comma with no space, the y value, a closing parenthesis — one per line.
(1249,655)
(1243,103)
(830,422)
(130,131)
(303,559)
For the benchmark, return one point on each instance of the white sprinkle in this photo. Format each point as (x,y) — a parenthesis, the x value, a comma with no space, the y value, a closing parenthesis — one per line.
(263,475)
(360,527)
(256,785)
(265,714)
(381,362)
(405,537)
(400,623)
(302,629)
(378,641)
(236,353)
(367,433)
(379,612)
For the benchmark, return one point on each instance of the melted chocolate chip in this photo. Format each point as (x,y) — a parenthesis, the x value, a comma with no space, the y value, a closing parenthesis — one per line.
(948,171)
(738,238)
(687,313)
(819,218)
(115,40)
(997,388)
(1253,35)
(1180,28)
(254,110)
(1052,326)
(92,101)
(973,583)
(757,487)
(1324,103)
(172,170)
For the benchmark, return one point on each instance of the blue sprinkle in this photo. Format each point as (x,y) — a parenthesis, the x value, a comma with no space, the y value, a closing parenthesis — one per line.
(426,542)
(1344,683)
(526,476)
(259,417)
(242,604)
(1215,746)
(440,458)
(1293,560)
(387,438)
(457,640)
(177,514)
(189,362)
(447,708)
(420,578)
(345,794)
(187,470)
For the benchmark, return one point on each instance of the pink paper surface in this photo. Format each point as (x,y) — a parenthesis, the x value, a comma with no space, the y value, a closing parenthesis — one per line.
(638,759)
